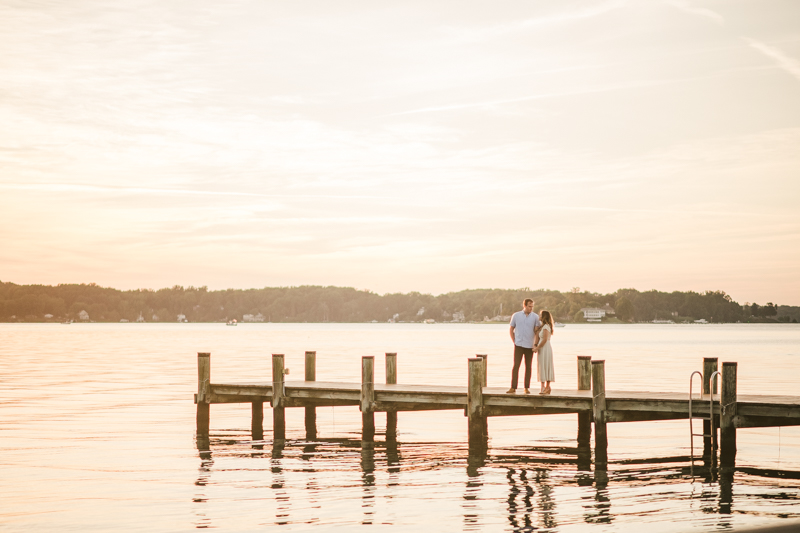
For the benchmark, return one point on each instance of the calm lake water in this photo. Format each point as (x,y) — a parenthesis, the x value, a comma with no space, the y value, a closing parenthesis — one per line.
(97,431)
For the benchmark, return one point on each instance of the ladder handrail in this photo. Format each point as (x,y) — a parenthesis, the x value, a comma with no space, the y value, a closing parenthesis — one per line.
(710,417)
(691,416)
(711,407)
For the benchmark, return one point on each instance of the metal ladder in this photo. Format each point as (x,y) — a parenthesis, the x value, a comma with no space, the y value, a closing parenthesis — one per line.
(710,416)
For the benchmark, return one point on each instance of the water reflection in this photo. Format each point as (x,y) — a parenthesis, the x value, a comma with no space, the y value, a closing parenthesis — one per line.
(368,481)
(519,513)
(203,477)
(471,497)
(279,483)
(302,476)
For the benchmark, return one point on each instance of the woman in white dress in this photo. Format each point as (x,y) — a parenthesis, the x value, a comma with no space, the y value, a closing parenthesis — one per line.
(544,369)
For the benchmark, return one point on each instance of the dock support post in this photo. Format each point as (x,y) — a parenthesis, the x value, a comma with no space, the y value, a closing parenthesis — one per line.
(727,452)
(485,358)
(391,379)
(584,418)
(475,413)
(311,411)
(710,365)
(599,412)
(203,393)
(257,421)
(367,398)
(278,409)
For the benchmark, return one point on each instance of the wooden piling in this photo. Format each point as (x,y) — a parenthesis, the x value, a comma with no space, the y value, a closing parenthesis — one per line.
(278,392)
(475,412)
(584,372)
(391,379)
(584,418)
(391,368)
(257,421)
(367,404)
(311,411)
(485,358)
(727,452)
(710,365)
(598,412)
(203,393)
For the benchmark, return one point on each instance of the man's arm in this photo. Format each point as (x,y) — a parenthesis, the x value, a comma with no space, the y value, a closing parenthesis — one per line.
(511,332)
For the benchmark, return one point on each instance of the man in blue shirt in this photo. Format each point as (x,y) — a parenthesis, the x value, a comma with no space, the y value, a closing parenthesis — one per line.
(524,331)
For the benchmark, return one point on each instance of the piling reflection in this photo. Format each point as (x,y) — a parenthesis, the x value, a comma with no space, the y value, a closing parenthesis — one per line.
(476,459)
(599,511)
(472,495)
(203,476)
(726,490)
(306,472)
(368,481)
(392,457)
(309,451)
(279,483)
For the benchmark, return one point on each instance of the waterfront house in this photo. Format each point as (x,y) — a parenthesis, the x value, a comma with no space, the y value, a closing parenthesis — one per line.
(593,314)
(253,318)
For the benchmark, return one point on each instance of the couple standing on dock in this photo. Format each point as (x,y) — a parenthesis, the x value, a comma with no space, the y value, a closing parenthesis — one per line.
(530,334)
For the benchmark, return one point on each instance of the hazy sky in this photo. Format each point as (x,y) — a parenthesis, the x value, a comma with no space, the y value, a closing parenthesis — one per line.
(402,146)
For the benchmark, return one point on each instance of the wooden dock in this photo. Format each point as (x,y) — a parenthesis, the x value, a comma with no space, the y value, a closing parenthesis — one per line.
(594,405)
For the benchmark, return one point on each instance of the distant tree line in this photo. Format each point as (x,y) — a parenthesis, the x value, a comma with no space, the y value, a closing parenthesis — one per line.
(40,303)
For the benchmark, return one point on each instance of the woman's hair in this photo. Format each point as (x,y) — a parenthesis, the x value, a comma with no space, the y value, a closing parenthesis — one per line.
(547,318)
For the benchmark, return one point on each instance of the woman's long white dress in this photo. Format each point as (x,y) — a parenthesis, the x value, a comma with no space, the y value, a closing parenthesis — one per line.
(544,360)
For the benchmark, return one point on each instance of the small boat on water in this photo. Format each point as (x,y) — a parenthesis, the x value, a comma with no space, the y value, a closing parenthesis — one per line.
(559,325)
(231,322)
(67,322)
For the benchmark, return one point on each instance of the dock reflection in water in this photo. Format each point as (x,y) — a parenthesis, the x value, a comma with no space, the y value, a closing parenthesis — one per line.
(534,488)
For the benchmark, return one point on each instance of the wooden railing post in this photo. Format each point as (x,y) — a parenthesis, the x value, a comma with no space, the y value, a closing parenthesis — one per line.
(367,398)
(599,411)
(584,372)
(278,409)
(311,411)
(485,358)
(710,365)
(475,413)
(391,368)
(727,452)
(391,379)
(203,392)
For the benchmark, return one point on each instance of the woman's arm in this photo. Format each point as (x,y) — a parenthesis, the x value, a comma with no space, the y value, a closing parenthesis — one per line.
(544,335)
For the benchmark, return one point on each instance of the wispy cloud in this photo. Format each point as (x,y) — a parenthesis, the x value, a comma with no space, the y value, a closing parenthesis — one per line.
(687,7)
(541,96)
(492,32)
(785,62)
(81,188)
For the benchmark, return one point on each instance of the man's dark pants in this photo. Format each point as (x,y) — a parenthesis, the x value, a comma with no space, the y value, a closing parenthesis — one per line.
(519,351)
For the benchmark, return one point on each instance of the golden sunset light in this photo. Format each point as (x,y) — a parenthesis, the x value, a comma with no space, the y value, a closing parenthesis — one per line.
(402,147)
(459,267)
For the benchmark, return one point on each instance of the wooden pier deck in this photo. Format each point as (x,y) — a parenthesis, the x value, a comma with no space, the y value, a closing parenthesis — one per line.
(594,405)
(621,406)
